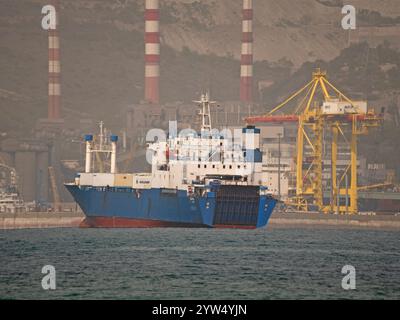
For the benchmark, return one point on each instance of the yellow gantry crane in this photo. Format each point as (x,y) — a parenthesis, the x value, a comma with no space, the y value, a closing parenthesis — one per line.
(325,113)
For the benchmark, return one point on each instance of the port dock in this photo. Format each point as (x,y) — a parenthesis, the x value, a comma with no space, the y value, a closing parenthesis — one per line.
(279,219)
(40,220)
(321,220)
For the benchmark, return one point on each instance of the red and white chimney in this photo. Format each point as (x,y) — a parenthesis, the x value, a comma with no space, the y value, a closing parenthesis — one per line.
(54,108)
(246,68)
(152,51)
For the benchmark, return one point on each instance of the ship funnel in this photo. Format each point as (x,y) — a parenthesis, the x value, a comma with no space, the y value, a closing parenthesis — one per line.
(114,140)
(88,162)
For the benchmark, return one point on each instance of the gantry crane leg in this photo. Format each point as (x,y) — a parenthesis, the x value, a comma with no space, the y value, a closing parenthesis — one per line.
(334,184)
(299,166)
(353,209)
(317,167)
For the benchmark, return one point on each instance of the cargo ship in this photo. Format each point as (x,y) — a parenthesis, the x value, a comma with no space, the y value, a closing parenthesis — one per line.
(209,179)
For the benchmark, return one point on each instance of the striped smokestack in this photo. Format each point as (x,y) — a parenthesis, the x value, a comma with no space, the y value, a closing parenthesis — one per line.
(152,51)
(54,108)
(246,69)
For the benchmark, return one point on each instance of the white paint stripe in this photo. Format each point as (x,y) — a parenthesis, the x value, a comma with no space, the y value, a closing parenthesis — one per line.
(54,89)
(152,4)
(152,70)
(54,42)
(247,48)
(247,26)
(246,71)
(54,66)
(152,26)
(247,4)
(153,48)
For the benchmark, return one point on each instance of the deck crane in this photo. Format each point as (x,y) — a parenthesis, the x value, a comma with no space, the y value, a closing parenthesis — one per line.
(323,112)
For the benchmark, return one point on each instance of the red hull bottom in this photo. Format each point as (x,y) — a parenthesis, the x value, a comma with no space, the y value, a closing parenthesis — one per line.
(101,222)
(233,226)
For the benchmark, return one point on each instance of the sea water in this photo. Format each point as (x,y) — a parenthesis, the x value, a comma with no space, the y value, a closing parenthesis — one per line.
(199,263)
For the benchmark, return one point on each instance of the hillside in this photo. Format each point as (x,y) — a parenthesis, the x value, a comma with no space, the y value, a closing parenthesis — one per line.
(103,50)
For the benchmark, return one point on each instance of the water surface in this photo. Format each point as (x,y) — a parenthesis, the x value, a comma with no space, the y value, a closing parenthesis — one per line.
(199,263)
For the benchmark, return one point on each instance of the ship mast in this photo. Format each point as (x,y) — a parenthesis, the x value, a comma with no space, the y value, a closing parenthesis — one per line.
(205,112)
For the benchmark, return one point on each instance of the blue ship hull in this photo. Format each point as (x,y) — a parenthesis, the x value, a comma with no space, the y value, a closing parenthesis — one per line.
(225,207)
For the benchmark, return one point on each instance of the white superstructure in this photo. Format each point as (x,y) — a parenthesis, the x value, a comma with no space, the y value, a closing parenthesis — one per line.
(12,203)
(189,159)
